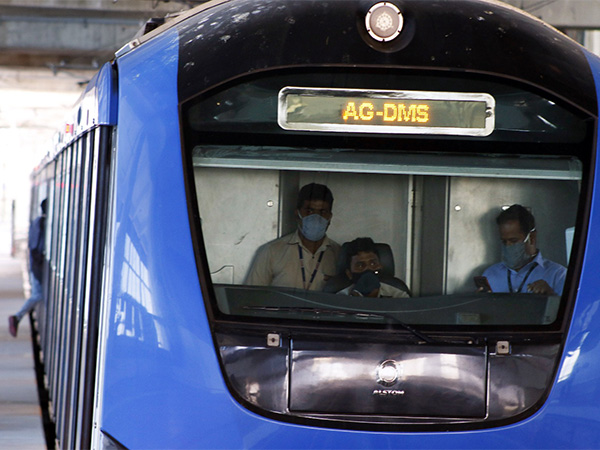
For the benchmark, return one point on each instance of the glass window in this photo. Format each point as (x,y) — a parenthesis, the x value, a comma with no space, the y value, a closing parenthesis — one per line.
(437,210)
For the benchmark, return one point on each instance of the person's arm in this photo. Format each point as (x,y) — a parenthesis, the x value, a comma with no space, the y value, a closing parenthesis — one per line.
(393,292)
(496,278)
(553,280)
(540,287)
(261,273)
(559,281)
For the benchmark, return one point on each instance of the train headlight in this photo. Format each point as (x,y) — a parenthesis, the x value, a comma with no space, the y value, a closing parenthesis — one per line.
(384,21)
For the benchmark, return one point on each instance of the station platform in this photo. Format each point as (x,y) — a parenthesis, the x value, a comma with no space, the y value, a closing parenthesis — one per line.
(21,426)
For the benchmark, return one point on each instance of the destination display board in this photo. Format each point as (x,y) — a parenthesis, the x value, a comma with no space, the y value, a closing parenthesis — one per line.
(385,111)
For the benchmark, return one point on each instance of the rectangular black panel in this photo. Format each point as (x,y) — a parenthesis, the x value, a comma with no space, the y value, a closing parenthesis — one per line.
(402,380)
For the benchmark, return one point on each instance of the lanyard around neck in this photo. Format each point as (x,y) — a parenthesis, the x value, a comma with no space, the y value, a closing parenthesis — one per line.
(312,277)
(510,286)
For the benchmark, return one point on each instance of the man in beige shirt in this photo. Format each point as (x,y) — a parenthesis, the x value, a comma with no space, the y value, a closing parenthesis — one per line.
(306,258)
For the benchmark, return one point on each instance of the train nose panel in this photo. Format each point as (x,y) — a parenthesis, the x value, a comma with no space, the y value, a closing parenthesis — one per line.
(373,379)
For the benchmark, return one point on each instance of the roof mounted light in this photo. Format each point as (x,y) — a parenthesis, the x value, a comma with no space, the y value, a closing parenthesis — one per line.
(384,21)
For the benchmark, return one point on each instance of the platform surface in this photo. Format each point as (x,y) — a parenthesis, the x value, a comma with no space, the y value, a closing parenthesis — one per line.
(20,415)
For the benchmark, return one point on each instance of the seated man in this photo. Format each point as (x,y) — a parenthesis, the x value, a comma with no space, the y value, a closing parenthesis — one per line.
(523,269)
(306,258)
(362,268)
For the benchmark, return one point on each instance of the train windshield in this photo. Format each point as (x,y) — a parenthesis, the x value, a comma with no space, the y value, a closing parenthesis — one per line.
(385,200)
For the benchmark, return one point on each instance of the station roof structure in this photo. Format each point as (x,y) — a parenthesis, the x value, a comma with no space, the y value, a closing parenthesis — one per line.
(74,34)
(563,14)
(83,34)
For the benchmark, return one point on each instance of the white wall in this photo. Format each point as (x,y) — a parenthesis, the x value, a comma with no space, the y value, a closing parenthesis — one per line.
(33,105)
(592,41)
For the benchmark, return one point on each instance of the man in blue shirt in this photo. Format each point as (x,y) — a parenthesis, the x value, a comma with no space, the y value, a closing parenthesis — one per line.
(523,268)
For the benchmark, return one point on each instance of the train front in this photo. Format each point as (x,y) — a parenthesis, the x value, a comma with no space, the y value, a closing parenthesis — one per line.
(321,231)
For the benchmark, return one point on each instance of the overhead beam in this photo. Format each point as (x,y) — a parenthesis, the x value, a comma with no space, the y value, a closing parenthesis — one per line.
(574,14)
(84,33)
(40,35)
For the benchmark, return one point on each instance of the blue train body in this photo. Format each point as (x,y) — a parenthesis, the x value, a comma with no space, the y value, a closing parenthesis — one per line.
(162,363)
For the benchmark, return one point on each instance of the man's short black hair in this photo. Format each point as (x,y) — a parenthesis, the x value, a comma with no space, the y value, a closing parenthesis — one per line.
(519,213)
(44,206)
(358,245)
(314,191)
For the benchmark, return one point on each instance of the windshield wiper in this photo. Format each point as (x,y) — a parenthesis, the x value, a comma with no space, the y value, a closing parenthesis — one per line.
(344,313)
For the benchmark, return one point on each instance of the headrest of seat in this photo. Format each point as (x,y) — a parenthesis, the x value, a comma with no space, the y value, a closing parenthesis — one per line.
(386,258)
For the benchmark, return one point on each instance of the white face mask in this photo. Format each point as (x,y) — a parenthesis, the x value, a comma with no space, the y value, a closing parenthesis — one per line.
(313,227)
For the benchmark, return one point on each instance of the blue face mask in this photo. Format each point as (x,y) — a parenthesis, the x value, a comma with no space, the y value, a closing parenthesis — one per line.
(515,256)
(313,227)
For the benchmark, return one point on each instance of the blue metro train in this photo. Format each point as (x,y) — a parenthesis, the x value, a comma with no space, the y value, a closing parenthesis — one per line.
(425,119)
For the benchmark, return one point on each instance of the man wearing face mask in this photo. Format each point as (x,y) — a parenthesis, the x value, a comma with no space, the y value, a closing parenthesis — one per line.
(363,269)
(523,268)
(304,259)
